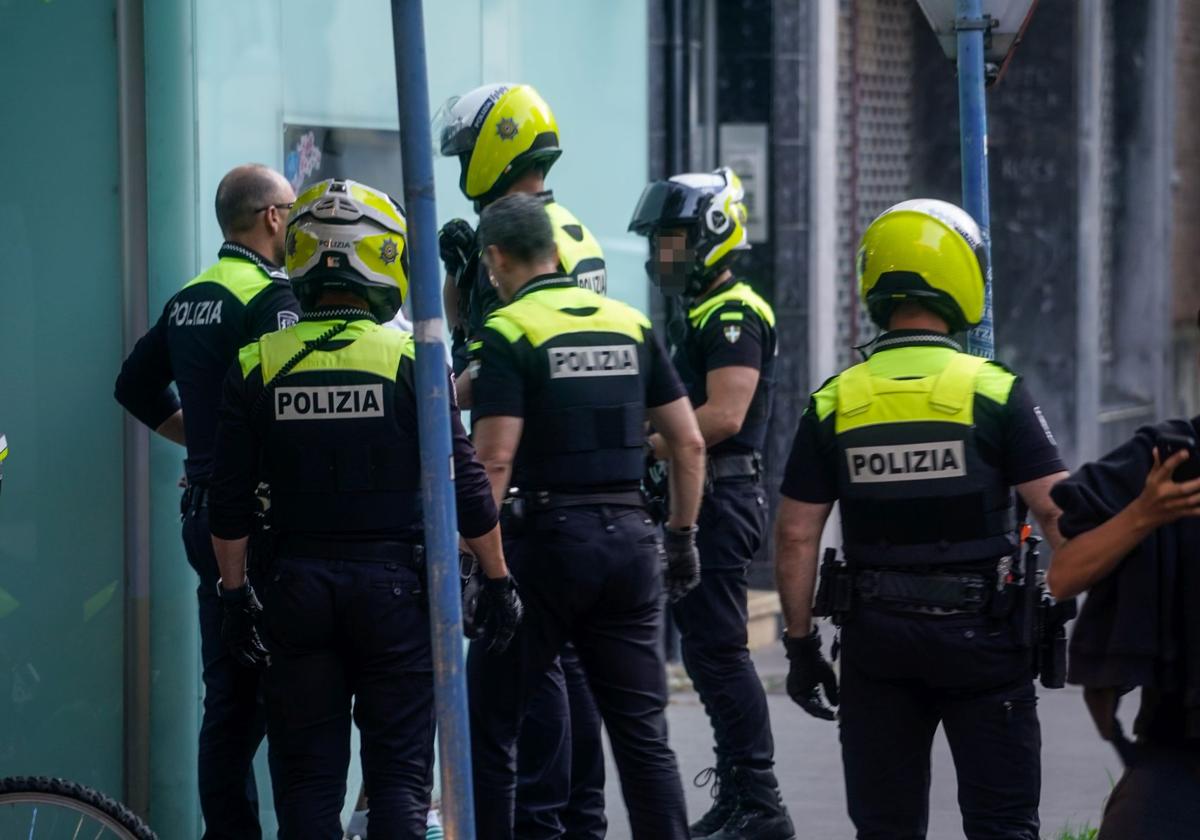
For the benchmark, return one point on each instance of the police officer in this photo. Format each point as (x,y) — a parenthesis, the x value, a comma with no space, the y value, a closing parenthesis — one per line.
(566,381)
(921,446)
(506,139)
(325,412)
(697,224)
(193,343)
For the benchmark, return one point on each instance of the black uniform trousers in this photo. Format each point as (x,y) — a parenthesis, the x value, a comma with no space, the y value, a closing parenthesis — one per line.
(234,720)
(345,632)
(560,758)
(1158,796)
(902,675)
(712,625)
(592,576)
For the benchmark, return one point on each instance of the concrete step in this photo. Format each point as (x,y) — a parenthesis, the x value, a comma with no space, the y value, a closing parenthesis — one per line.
(766,618)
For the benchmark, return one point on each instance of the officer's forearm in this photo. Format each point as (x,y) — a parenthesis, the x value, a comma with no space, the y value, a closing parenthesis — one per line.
(680,438)
(462,390)
(718,423)
(686,479)
(231,561)
(1036,494)
(798,528)
(730,392)
(496,441)
(450,300)
(499,474)
(490,553)
(172,428)
(714,424)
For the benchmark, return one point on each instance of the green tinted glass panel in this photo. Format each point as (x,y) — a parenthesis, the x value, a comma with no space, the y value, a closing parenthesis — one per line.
(61,527)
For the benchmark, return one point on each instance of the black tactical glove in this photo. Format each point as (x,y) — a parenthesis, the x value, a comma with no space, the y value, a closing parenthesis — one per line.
(683,561)
(498,612)
(239,628)
(456,241)
(808,674)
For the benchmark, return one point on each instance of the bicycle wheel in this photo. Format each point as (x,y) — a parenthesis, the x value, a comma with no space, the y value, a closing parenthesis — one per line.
(41,808)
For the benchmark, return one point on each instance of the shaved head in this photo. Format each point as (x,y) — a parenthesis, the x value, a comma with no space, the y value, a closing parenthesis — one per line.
(244,192)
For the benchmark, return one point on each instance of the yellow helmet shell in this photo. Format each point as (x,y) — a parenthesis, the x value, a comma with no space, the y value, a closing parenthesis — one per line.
(346,232)
(494,130)
(925,250)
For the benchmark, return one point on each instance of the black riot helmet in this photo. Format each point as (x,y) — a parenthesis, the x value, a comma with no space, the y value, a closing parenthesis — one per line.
(709,207)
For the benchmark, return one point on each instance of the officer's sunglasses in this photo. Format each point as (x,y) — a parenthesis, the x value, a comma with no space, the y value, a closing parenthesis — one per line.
(288,206)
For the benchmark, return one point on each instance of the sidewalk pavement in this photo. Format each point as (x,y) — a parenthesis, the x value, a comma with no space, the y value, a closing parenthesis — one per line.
(1078,769)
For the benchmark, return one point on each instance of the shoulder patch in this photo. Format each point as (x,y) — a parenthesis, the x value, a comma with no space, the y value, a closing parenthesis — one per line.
(286,318)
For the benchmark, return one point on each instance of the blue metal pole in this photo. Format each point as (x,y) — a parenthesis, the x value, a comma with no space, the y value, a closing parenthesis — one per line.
(972,117)
(433,401)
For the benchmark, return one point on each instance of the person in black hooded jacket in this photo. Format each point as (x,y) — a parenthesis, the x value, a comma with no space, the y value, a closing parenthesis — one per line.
(1132,533)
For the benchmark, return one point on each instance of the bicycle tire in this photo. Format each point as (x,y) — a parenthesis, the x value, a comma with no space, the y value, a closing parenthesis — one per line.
(43,790)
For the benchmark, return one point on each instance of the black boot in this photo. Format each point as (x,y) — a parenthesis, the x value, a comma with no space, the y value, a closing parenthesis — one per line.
(759,813)
(723,801)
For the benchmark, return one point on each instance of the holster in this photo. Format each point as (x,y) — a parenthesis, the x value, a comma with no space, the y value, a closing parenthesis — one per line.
(261,553)
(835,588)
(723,467)
(471,576)
(1050,656)
(263,547)
(195,497)
(513,514)
(1025,597)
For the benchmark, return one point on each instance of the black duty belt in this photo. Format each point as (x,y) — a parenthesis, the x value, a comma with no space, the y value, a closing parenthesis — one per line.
(195,497)
(540,500)
(371,551)
(722,467)
(967,593)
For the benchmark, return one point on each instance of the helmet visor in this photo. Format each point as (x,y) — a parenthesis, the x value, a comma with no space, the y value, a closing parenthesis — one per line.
(452,135)
(456,124)
(667,204)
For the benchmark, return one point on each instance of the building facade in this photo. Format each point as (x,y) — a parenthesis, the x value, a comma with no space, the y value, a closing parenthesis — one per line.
(1093,176)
